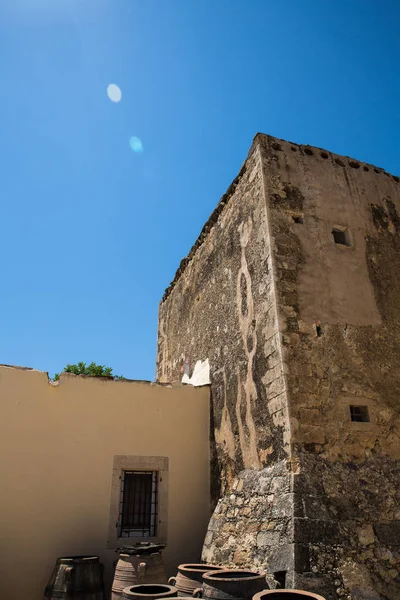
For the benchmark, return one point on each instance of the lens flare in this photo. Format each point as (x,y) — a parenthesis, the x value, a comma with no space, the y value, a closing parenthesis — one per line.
(114,92)
(136,145)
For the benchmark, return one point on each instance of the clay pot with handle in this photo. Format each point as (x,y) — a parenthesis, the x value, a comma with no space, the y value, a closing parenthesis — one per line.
(189,577)
(134,569)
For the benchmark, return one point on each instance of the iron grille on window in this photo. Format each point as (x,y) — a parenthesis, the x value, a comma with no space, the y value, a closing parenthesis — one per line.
(359,413)
(138,505)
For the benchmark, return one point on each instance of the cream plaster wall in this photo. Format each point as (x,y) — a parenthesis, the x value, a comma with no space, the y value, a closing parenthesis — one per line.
(57,444)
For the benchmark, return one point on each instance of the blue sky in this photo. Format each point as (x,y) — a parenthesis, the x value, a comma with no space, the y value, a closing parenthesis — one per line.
(92,232)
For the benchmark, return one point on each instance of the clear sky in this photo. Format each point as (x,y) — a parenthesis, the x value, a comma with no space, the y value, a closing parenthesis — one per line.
(91,231)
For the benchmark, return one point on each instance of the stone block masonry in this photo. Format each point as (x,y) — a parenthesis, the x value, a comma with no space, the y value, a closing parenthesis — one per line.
(292,292)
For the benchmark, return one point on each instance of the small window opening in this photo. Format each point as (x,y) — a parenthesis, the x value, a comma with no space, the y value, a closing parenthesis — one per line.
(318,330)
(138,504)
(298,219)
(341,236)
(359,414)
(280,577)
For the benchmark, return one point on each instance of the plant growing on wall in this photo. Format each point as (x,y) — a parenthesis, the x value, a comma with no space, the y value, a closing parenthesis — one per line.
(92,370)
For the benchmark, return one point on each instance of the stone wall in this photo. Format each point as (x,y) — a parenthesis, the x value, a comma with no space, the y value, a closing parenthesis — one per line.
(339,309)
(347,517)
(221,307)
(252,525)
(297,329)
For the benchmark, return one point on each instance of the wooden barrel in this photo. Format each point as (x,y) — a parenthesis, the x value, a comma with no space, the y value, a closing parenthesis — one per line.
(287,595)
(149,591)
(189,577)
(134,569)
(76,577)
(232,584)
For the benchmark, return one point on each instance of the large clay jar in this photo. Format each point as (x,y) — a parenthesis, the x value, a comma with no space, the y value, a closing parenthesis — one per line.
(149,591)
(232,584)
(76,577)
(189,577)
(134,569)
(287,595)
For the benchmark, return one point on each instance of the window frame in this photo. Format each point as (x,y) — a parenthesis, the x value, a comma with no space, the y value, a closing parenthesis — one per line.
(123,463)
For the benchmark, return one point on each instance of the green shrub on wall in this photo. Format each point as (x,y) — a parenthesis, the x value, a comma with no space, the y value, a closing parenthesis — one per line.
(91,370)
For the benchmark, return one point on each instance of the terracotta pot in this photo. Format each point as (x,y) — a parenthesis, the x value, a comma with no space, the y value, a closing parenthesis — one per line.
(189,577)
(232,584)
(287,595)
(76,577)
(149,591)
(135,569)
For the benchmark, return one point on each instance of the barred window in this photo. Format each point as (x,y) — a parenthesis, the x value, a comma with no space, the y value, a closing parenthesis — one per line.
(139,499)
(138,504)
(359,414)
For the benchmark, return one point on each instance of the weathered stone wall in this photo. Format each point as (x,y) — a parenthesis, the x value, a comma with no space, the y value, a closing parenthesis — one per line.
(338,306)
(221,306)
(339,313)
(297,328)
(252,525)
(346,522)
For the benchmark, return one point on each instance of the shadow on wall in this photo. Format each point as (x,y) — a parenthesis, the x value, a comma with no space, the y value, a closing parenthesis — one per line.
(215,469)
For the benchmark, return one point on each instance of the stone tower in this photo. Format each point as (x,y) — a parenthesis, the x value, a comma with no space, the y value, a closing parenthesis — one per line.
(292,291)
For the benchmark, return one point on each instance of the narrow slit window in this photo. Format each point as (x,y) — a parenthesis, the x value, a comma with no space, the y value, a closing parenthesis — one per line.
(359,414)
(298,219)
(138,504)
(341,236)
